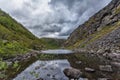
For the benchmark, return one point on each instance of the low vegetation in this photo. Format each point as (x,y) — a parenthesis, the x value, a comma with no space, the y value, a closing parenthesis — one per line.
(53,43)
(11,48)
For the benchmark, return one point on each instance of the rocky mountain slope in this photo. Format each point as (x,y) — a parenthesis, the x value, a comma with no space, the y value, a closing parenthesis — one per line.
(101,32)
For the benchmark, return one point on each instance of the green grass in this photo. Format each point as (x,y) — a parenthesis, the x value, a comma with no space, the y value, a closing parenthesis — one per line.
(8,49)
(18,38)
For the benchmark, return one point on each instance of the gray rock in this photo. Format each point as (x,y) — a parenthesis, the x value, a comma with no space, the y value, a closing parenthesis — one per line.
(89,69)
(78,62)
(9,63)
(114,56)
(100,51)
(107,68)
(72,73)
(117,64)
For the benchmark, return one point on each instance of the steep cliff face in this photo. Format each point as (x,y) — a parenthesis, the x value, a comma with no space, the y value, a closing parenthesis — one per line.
(101,31)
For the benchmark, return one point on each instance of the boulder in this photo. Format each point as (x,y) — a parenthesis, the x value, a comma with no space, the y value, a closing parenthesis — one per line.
(72,73)
(106,68)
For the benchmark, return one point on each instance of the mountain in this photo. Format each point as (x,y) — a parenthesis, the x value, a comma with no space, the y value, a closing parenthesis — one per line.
(100,33)
(15,38)
(53,43)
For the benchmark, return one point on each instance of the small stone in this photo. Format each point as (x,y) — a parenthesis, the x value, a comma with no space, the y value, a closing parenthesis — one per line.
(89,69)
(100,51)
(52,68)
(48,75)
(106,68)
(37,67)
(9,63)
(53,76)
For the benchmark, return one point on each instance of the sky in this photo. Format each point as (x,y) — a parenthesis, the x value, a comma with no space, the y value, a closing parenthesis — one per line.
(52,18)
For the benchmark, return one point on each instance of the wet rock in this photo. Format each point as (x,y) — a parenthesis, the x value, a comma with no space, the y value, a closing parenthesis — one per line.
(89,70)
(72,73)
(107,68)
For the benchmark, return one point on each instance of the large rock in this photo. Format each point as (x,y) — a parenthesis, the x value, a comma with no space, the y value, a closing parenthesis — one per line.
(72,73)
(107,68)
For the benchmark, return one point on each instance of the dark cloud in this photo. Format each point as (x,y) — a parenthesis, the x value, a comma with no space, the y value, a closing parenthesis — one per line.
(52,18)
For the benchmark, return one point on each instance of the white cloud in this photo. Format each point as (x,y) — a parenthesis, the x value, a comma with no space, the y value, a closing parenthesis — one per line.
(52,18)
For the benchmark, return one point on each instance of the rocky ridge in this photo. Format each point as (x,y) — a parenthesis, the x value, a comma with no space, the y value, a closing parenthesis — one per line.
(100,33)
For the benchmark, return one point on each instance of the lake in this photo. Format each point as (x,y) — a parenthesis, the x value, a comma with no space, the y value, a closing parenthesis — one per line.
(49,65)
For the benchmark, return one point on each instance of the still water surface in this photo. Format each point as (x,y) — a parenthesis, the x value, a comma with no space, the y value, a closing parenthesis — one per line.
(49,65)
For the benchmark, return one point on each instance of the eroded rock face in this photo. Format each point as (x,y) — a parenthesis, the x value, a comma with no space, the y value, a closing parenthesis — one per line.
(72,73)
(100,32)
